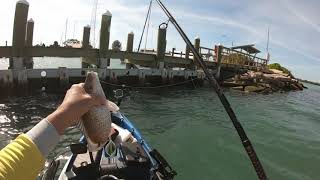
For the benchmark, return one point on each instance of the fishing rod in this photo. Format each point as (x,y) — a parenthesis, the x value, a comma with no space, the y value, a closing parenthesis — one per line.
(213,82)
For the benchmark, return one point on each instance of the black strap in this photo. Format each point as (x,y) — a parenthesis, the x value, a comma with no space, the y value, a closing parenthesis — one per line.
(213,82)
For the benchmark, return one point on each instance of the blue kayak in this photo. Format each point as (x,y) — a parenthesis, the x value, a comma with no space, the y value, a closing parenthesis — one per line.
(125,156)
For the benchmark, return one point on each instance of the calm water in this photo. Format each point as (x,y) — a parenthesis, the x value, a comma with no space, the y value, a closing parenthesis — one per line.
(192,130)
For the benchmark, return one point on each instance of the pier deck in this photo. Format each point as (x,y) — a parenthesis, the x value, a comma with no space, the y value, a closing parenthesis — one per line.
(142,68)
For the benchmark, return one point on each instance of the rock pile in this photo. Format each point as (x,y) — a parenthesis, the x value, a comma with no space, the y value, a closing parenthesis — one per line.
(265,81)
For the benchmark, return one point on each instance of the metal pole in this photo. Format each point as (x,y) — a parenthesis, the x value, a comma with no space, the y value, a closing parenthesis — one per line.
(144,26)
(244,139)
(148,25)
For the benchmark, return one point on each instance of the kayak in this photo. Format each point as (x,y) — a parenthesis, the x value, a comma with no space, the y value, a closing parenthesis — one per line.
(125,156)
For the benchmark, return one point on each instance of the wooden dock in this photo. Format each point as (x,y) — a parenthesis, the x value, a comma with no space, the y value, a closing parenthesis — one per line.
(142,68)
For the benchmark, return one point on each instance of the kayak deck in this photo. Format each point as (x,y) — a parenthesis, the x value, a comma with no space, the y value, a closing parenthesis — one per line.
(132,158)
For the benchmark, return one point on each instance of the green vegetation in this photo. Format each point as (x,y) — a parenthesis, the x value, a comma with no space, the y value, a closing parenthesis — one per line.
(279,67)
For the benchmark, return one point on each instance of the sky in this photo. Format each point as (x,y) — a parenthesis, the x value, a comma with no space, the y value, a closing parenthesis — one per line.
(294,25)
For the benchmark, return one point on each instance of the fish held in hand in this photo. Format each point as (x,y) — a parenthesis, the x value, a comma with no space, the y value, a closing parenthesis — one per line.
(96,123)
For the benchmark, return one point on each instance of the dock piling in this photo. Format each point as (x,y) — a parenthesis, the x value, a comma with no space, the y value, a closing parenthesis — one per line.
(161,45)
(219,59)
(86,37)
(104,62)
(85,45)
(19,34)
(197,47)
(129,48)
(28,61)
(187,52)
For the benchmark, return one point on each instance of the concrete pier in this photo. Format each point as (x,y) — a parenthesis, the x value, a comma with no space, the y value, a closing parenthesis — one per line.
(19,34)
(151,68)
(104,61)
(130,40)
(161,45)
(28,61)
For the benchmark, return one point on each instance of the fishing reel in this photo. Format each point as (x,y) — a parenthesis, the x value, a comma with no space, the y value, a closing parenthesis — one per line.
(118,95)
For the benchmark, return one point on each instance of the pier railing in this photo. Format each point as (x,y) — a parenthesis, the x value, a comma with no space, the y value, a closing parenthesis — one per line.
(231,56)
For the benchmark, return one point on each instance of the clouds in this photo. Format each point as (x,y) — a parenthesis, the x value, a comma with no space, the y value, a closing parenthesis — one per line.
(294,25)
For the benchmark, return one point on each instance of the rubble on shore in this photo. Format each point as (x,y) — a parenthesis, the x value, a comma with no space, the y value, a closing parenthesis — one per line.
(264,81)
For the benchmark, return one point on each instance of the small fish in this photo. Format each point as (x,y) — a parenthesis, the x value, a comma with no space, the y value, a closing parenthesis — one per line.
(96,123)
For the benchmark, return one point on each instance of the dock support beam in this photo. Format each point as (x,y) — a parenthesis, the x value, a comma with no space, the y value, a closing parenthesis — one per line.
(104,62)
(129,48)
(85,45)
(219,59)
(19,34)
(161,45)
(28,61)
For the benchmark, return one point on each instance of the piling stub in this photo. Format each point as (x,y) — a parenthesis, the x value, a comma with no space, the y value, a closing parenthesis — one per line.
(161,45)
(28,61)
(19,33)
(104,62)
(129,48)
(63,78)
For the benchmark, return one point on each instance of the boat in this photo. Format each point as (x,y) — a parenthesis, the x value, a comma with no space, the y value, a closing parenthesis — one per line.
(126,156)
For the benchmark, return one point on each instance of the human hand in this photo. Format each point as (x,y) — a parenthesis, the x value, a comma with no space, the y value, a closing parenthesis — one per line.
(75,104)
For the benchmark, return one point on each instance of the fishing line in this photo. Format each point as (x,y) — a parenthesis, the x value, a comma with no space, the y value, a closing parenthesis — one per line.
(145,23)
(150,87)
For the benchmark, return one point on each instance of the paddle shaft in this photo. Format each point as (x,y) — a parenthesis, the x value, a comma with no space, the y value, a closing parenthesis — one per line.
(213,82)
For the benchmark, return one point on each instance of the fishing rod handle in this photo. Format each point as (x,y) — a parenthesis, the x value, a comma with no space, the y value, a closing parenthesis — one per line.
(254,160)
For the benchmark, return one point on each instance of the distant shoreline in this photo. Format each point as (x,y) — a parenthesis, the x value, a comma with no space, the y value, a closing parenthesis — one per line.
(310,82)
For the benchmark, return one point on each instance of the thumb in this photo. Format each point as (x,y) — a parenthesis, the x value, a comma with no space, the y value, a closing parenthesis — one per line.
(97,100)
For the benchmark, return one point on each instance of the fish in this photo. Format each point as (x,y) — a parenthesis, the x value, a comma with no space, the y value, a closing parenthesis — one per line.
(96,123)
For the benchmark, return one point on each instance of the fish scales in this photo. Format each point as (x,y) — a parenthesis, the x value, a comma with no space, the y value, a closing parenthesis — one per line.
(96,123)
